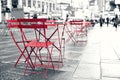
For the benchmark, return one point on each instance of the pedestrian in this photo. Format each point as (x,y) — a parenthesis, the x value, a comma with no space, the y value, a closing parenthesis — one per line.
(107,21)
(116,21)
(67,17)
(101,21)
(35,16)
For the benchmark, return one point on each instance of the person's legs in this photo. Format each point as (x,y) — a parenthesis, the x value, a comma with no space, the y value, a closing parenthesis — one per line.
(116,27)
(107,24)
(100,24)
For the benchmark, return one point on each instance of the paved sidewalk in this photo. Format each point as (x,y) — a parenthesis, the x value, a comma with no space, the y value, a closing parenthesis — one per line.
(97,59)
(3,26)
(101,57)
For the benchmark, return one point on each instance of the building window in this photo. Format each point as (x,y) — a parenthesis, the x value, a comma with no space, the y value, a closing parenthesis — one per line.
(39,5)
(46,7)
(34,3)
(4,3)
(24,2)
(50,8)
(43,4)
(14,3)
(53,6)
(29,3)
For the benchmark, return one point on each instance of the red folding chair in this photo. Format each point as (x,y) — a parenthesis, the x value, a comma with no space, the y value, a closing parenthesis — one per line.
(14,25)
(77,31)
(70,33)
(81,31)
(87,24)
(39,44)
(81,28)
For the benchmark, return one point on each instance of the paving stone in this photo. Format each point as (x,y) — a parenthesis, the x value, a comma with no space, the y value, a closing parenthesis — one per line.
(69,65)
(110,61)
(89,71)
(108,50)
(90,58)
(111,70)
(110,78)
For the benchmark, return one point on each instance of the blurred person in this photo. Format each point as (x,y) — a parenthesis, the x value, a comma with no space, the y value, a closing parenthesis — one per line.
(67,17)
(101,21)
(116,21)
(35,16)
(107,21)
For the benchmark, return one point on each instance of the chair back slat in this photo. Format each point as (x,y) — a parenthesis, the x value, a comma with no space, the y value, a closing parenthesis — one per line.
(13,23)
(51,23)
(76,22)
(32,23)
(33,20)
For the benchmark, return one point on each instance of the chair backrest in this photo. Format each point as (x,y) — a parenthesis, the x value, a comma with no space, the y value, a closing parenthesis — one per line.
(76,22)
(86,24)
(13,23)
(32,23)
(27,23)
(51,23)
(36,25)
(21,29)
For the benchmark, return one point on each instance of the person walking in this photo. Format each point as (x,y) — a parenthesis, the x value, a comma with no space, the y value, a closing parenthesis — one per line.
(107,21)
(116,21)
(101,21)
(67,17)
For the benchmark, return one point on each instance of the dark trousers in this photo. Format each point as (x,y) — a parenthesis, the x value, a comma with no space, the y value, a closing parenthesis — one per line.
(101,24)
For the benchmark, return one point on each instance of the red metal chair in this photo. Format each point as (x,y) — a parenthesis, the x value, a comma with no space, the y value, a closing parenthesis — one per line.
(13,25)
(76,31)
(69,32)
(39,44)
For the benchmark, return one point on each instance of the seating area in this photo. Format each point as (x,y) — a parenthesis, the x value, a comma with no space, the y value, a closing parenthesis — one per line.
(77,30)
(41,42)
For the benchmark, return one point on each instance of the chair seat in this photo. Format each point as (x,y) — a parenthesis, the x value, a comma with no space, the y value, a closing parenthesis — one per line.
(38,44)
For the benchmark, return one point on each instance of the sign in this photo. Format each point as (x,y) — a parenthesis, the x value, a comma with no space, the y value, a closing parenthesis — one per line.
(17,13)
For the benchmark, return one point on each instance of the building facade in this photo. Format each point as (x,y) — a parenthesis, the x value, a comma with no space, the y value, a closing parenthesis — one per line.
(38,6)
(29,6)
